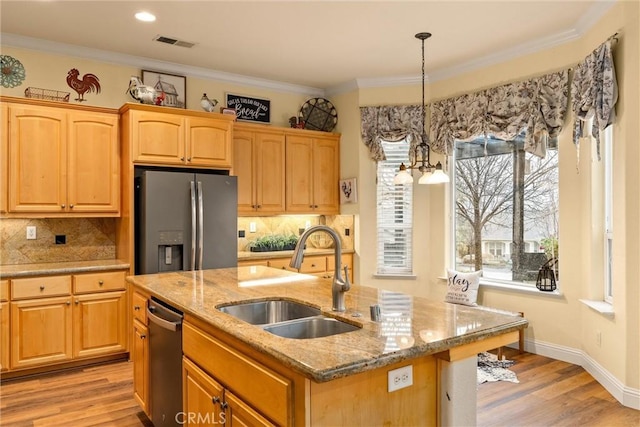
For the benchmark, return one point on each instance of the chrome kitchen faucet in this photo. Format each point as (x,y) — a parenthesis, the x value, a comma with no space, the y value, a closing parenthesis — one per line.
(340,285)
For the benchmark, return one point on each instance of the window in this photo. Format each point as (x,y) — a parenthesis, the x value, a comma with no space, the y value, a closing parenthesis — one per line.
(607,159)
(506,210)
(394,213)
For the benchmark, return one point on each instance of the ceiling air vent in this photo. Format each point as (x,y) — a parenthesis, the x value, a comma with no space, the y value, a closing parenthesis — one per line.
(175,42)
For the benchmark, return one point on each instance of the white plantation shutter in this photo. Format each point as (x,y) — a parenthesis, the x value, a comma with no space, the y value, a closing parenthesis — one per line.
(394,213)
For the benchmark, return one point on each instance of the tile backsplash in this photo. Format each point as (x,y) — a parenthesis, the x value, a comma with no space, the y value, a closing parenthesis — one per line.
(87,239)
(292,224)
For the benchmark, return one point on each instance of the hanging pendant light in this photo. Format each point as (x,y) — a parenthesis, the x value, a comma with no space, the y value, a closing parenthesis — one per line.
(429,174)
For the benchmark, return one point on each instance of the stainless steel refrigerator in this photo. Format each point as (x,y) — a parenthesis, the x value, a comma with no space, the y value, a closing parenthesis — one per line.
(185,221)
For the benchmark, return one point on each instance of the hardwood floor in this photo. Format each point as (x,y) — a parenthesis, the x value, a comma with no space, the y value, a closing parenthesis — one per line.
(550,393)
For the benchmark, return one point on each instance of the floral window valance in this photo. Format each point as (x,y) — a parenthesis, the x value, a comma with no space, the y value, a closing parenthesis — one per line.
(537,106)
(594,92)
(390,123)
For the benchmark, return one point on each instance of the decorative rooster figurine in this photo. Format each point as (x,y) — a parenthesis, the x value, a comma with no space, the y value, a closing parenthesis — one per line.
(89,83)
(144,93)
(208,104)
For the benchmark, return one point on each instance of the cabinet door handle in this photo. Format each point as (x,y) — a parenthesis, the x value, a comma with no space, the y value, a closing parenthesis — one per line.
(143,336)
(136,307)
(71,205)
(63,206)
(77,302)
(313,265)
(259,206)
(188,159)
(100,283)
(68,302)
(224,405)
(42,287)
(216,399)
(182,159)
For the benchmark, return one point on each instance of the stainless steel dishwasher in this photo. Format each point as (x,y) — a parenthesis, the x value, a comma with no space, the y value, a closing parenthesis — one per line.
(165,363)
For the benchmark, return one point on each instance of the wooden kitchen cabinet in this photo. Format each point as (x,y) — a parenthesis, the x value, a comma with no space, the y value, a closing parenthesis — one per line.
(56,319)
(209,362)
(140,357)
(159,136)
(312,174)
(41,331)
(140,351)
(319,265)
(259,164)
(62,161)
(4,326)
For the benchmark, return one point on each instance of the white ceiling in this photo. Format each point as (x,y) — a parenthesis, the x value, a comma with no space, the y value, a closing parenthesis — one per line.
(314,44)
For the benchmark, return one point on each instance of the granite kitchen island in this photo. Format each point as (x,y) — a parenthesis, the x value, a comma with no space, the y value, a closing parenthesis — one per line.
(238,371)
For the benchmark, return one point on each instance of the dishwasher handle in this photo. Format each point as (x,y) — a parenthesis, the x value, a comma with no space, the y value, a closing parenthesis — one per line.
(166,324)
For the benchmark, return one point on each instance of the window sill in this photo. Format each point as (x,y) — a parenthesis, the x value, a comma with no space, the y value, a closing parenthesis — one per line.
(526,289)
(395,276)
(601,307)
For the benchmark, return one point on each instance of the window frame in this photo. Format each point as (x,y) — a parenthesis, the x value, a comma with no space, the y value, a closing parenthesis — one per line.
(607,159)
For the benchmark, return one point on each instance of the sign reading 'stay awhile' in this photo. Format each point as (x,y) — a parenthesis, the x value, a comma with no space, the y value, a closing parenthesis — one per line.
(250,109)
(462,288)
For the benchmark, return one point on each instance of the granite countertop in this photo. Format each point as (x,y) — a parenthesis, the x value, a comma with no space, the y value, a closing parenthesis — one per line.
(248,255)
(411,326)
(54,268)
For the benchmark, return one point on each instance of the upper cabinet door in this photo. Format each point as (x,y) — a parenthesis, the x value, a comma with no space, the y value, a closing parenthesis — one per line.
(94,163)
(270,173)
(326,174)
(243,168)
(158,138)
(299,174)
(208,143)
(37,159)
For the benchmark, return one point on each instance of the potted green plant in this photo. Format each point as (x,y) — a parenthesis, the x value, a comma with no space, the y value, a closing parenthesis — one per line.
(273,243)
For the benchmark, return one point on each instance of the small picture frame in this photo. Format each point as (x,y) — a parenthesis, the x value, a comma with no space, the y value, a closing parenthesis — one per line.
(348,191)
(173,86)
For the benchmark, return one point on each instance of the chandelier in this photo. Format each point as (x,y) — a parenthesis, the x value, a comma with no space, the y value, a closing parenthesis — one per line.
(430,174)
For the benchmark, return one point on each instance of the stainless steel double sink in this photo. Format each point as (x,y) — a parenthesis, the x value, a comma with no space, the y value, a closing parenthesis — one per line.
(288,319)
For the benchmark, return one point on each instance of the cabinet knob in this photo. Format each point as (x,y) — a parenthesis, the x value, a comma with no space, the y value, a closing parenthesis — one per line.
(182,159)
(188,159)
(71,205)
(100,283)
(42,287)
(284,268)
(77,302)
(63,206)
(136,307)
(68,302)
(315,206)
(259,206)
(224,405)
(216,399)
(143,336)
(313,265)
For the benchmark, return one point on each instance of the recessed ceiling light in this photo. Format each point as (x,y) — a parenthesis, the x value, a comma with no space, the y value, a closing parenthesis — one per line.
(145,17)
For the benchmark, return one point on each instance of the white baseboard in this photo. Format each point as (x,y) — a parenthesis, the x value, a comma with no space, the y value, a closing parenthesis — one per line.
(627,396)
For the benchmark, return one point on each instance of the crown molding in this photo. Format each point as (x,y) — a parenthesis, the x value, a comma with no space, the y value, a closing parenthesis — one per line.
(586,21)
(47,46)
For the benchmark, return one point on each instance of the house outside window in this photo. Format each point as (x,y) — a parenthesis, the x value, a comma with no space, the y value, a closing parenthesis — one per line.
(394,213)
(506,210)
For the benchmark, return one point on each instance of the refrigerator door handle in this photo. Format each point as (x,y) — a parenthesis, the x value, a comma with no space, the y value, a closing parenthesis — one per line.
(200,225)
(193,226)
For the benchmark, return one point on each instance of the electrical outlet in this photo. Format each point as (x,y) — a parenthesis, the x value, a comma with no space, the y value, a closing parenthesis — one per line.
(347,231)
(240,233)
(31,232)
(61,239)
(400,378)
(252,227)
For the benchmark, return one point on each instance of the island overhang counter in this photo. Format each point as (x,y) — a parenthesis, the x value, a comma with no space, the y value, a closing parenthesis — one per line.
(343,378)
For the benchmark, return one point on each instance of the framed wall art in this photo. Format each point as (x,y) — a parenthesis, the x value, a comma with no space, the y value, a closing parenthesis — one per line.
(173,87)
(348,191)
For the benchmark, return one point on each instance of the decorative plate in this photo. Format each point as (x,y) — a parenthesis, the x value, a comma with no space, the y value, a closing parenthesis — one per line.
(12,71)
(319,114)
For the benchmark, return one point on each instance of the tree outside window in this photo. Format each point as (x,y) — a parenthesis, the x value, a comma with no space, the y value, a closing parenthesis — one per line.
(506,212)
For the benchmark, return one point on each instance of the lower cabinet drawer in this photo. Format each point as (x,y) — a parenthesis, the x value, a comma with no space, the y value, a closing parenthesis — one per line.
(265,390)
(98,282)
(36,287)
(316,264)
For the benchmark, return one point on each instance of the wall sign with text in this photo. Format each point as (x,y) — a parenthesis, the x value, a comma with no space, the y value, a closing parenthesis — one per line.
(249,108)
